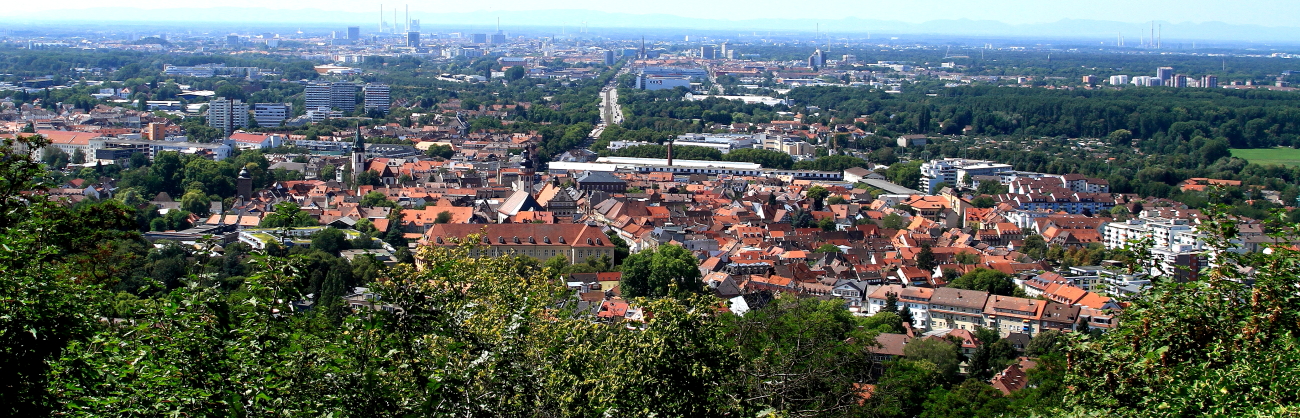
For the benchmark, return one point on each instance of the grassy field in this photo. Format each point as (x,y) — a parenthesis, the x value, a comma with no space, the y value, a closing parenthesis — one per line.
(1263,156)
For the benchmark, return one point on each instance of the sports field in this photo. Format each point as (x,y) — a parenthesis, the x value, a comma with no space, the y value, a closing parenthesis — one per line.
(1264,156)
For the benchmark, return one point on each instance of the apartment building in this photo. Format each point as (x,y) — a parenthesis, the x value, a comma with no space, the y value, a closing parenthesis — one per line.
(953,170)
(377,97)
(957,308)
(227,115)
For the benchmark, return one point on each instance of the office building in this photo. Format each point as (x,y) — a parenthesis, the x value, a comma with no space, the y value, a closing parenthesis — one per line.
(609,57)
(706,52)
(1090,80)
(227,115)
(377,97)
(726,51)
(1164,74)
(232,39)
(1210,81)
(1118,80)
(354,33)
(498,38)
(413,39)
(270,114)
(478,38)
(415,25)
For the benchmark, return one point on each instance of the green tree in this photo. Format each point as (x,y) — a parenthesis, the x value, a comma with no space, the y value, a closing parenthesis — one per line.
(988,280)
(329,240)
(827,224)
(971,399)
(1120,137)
(196,202)
(828,248)
(925,258)
(1182,348)
(816,194)
(55,158)
(991,356)
(991,188)
(288,215)
(884,321)
(368,178)
(514,73)
(665,270)
(440,151)
(892,221)
(943,354)
(443,217)
(774,340)
(376,199)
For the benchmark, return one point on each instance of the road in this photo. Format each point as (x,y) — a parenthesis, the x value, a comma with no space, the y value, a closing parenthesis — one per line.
(610,111)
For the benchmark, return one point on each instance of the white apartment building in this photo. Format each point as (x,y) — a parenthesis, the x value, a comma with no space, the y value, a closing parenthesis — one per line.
(377,97)
(341,96)
(271,114)
(227,115)
(1119,80)
(952,170)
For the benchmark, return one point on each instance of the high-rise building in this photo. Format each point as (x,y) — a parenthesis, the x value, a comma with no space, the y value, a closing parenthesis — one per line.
(354,33)
(1210,81)
(413,39)
(270,114)
(157,132)
(227,115)
(377,97)
(498,38)
(1178,80)
(1147,81)
(415,25)
(1090,80)
(818,59)
(609,57)
(706,52)
(343,96)
(339,95)
(1164,73)
(478,38)
(317,95)
(726,50)
(232,39)
(1118,80)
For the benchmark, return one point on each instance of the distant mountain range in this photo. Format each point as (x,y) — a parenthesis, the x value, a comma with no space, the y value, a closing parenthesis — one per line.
(1105,31)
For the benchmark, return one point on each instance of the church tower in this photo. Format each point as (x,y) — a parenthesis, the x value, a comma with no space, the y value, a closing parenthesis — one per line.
(359,154)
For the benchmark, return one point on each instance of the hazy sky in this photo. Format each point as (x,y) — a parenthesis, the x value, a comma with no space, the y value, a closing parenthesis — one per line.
(1261,12)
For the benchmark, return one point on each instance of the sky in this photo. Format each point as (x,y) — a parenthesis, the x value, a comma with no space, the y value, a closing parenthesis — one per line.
(1282,13)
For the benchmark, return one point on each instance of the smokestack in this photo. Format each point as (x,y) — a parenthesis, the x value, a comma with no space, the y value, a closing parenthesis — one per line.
(381,18)
(670,153)
(408,18)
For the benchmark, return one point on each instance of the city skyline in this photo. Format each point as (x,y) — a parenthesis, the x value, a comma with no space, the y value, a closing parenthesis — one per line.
(1274,13)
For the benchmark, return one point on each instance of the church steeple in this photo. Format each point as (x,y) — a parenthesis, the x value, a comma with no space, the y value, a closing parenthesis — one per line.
(360,145)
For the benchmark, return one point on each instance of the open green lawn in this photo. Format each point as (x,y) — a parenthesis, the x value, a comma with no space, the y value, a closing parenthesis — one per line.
(1264,156)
